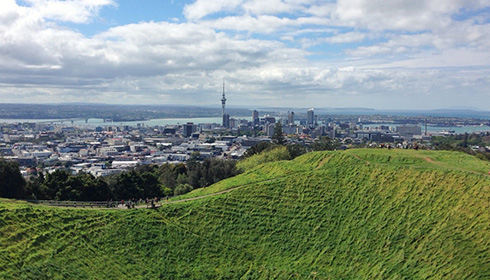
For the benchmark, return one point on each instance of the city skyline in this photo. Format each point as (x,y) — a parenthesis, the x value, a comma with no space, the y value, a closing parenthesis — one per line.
(348,53)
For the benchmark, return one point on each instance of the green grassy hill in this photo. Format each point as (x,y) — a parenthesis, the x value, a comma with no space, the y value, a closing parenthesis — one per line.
(355,214)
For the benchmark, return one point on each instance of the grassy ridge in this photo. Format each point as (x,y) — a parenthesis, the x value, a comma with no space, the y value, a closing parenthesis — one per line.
(354,214)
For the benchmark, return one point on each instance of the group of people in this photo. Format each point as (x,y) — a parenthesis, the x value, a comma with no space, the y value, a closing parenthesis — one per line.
(131,203)
(400,146)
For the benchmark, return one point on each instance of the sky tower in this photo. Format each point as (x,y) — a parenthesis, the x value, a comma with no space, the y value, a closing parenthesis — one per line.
(226,117)
(223,99)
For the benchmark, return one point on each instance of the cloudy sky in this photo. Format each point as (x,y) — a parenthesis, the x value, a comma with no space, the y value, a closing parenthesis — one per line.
(396,54)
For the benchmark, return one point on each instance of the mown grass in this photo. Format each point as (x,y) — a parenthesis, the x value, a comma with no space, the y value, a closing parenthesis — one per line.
(360,214)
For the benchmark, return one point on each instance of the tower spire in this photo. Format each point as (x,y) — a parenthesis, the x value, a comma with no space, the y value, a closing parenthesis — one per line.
(223,99)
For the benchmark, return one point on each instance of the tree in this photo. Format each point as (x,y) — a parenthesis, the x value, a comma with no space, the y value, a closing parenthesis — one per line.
(182,189)
(150,184)
(195,156)
(181,179)
(167,176)
(11,181)
(127,186)
(258,148)
(296,150)
(215,170)
(54,184)
(278,137)
(194,173)
(325,144)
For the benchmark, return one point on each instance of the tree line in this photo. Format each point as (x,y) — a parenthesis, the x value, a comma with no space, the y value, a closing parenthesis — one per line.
(141,182)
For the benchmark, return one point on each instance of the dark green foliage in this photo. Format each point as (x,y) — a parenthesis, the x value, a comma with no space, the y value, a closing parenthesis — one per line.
(168,176)
(11,181)
(182,189)
(295,150)
(278,137)
(214,170)
(208,172)
(60,185)
(258,148)
(325,144)
(144,181)
(128,185)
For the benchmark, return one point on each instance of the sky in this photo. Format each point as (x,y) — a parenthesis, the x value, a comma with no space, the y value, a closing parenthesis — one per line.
(397,54)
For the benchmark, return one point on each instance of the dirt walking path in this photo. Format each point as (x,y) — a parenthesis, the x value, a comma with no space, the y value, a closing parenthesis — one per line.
(359,158)
(323,162)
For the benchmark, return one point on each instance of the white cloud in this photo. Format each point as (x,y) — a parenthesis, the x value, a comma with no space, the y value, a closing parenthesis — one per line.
(259,7)
(77,11)
(203,8)
(400,51)
(400,14)
(348,37)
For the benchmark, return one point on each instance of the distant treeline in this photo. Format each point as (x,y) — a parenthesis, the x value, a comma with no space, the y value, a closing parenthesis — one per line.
(144,181)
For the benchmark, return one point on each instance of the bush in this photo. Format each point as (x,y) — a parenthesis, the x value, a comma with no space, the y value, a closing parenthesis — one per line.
(182,189)
(11,181)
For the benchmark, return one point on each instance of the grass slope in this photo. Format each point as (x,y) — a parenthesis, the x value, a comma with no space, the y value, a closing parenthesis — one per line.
(361,214)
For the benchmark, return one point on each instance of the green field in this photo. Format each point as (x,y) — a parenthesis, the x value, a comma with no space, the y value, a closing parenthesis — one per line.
(355,214)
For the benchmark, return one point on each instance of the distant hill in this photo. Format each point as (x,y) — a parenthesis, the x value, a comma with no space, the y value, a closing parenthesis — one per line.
(355,214)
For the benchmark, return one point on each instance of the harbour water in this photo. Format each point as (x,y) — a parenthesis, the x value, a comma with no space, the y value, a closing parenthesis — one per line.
(101,122)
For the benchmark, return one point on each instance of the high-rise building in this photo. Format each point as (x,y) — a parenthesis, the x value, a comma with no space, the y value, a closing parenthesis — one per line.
(226,120)
(188,129)
(310,118)
(291,118)
(269,119)
(255,117)
(408,130)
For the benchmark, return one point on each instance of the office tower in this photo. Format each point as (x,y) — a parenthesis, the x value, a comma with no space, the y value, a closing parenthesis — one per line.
(226,120)
(188,129)
(310,118)
(255,117)
(291,118)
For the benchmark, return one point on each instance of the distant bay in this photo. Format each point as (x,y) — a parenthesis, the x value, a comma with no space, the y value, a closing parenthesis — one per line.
(93,122)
